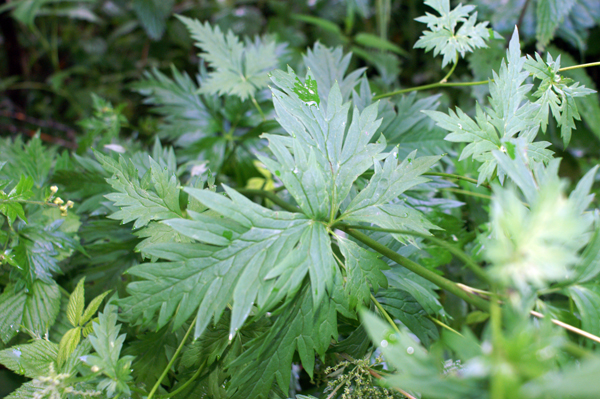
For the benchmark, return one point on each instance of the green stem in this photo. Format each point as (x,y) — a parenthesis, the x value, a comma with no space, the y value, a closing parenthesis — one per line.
(470,263)
(7,201)
(414,267)
(269,195)
(457,177)
(465,192)
(166,370)
(591,64)
(447,327)
(385,314)
(259,109)
(445,79)
(194,377)
(463,84)
(430,86)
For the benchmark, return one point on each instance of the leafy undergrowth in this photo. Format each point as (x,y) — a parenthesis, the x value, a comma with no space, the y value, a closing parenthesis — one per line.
(305,237)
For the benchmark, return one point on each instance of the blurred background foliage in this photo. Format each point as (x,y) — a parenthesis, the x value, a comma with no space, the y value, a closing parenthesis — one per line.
(89,74)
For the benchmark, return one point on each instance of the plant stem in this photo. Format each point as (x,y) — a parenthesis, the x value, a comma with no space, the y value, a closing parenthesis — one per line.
(465,192)
(591,64)
(5,201)
(445,79)
(463,84)
(447,327)
(430,86)
(470,263)
(384,313)
(568,327)
(166,370)
(414,267)
(260,111)
(457,177)
(269,195)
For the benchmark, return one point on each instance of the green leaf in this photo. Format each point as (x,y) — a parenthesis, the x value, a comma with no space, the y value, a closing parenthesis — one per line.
(402,306)
(529,248)
(374,41)
(177,100)
(76,304)
(378,202)
(268,358)
(26,391)
(307,91)
(153,14)
(588,304)
(588,106)
(107,343)
(31,360)
(238,68)
(41,307)
(555,93)
(326,159)
(137,202)
(416,369)
(363,270)
(442,36)
(328,66)
(509,115)
(320,22)
(67,345)
(549,15)
(12,305)
(93,306)
(266,263)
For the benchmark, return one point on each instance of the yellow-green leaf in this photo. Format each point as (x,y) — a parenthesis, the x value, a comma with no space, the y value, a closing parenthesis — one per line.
(76,304)
(93,308)
(68,343)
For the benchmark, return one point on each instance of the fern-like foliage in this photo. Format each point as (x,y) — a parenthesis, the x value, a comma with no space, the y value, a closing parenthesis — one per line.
(554,93)
(442,36)
(508,116)
(238,68)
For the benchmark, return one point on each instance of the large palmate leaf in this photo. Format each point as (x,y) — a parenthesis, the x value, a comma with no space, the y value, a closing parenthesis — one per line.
(508,116)
(323,158)
(256,257)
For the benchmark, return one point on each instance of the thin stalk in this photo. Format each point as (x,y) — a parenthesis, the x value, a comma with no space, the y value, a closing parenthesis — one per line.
(166,370)
(465,192)
(414,267)
(447,327)
(194,377)
(6,201)
(568,327)
(457,177)
(259,109)
(470,263)
(591,64)
(269,195)
(385,314)
(463,84)
(445,79)
(430,86)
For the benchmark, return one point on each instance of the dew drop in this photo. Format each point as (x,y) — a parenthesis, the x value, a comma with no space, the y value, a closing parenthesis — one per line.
(17,352)
(384,344)
(410,350)
(460,126)
(112,344)
(405,215)
(231,336)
